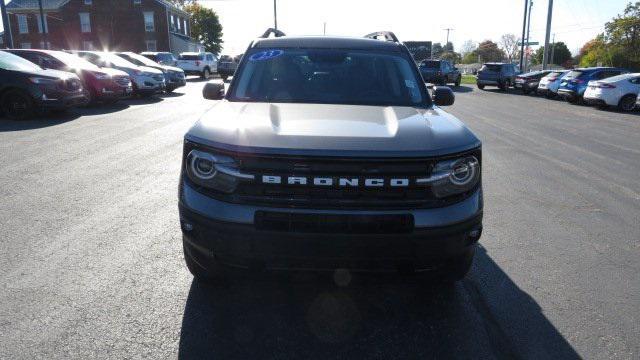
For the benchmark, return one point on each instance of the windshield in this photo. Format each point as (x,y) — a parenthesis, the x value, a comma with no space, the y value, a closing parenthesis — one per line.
(328,76)
(13,62)
(116,60)
(138,59)
(573,74)
(491,67)
(190,57)
(429,64)
(73,61)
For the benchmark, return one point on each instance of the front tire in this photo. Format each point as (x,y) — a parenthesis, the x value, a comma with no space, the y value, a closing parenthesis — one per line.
(481,87)
(457,83)
(627,103)
(503,86)
(205,73)
(16,105)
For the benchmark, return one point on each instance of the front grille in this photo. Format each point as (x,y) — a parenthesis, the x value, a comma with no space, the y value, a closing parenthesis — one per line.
(122,81)
(158,77)
(335,197)
(72,85)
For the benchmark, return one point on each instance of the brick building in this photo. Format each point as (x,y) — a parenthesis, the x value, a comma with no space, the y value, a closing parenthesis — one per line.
(117,25)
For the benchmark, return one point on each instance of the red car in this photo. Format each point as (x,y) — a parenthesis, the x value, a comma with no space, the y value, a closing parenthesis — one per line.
(102,84)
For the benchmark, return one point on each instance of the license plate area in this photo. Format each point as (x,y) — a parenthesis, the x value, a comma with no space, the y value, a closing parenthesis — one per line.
(334,223)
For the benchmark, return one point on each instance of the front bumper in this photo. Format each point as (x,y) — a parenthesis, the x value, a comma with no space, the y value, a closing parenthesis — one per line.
(230,234)
(488,82)
(568,94)
(62,102)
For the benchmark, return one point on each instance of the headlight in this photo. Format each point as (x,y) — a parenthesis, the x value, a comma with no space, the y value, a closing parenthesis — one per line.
(451,177)
(217,172)
(43,81)
(101,76)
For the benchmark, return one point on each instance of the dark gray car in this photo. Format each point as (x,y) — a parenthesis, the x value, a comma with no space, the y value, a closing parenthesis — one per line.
(502,75)
(330,153)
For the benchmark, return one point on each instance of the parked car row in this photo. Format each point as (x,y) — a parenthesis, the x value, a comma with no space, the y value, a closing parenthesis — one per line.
(601,86)
(34,80)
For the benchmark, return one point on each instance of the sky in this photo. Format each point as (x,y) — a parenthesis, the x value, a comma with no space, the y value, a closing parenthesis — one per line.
(574,21)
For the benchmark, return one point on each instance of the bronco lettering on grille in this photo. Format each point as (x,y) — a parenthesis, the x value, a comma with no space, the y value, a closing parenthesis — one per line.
(333,181)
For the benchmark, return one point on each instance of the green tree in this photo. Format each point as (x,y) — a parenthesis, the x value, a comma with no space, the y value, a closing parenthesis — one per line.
(436,50)
(451,56)
(205,27)
(561,54)
(622,35)
(489,51)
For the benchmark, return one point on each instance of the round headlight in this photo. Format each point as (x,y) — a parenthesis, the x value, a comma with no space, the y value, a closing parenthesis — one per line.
(202,165)
(464,171)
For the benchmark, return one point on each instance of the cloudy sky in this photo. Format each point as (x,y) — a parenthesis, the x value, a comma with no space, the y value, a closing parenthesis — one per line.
(574,21)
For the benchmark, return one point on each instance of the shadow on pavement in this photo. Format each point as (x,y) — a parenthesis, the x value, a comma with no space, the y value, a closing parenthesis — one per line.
(308,316)
(172,94)
(461,89)
(39,121)
(143,101)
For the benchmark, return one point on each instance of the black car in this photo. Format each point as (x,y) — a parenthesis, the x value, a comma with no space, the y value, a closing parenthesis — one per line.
(502,75)
(162,58)
(529,82)
(227,66)
(26,88)
(439,72)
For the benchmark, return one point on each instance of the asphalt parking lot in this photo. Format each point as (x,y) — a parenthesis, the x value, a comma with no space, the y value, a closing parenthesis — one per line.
(91,257)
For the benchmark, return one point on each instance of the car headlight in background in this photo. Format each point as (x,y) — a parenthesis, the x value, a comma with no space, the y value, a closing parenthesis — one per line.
(101,76)
(217,172)
(455,176)
(44,81)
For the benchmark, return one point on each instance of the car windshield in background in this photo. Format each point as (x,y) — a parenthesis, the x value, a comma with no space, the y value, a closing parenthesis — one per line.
(74,61)
(16,63)
(328,77)
(138,59)
(491,67)
(115,60)
(574,74)
(431,64)
(190,57)
(620,77)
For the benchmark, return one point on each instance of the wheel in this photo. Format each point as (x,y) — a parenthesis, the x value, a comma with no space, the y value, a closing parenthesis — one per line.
(224,77)
(502,86)
(457,83)
(481,87)
(169,90)
(526,91)
(16,105)
(627,103)
(206,73)
(575,100)
(549,95)
(211,274)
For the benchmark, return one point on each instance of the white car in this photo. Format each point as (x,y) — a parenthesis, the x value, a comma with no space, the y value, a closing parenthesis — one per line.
(201,64)
(620,91)
(549,84)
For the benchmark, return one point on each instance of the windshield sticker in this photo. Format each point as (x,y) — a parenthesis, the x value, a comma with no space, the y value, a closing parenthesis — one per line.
(266,55)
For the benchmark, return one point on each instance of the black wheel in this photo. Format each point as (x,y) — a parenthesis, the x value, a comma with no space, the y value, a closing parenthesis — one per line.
(169,90)
(627,103)
(502,86)
(205,73)
(210,274)
(457,83)
(17,105)
(526,91)
(481,87)
(575,100)
(549,95)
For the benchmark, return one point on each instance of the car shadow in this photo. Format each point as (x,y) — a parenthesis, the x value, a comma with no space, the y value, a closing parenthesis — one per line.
(461,89)
(39,121)
(171,94)
(143,101)
(99,109)
(197,79)
(309,316)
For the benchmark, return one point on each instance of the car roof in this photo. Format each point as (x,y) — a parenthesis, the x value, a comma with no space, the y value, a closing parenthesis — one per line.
(597,68)
(326,42)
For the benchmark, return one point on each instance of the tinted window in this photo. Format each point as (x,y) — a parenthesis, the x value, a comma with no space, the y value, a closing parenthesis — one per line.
(574,74)
(491,67)
(431,64)
(14,62)
(329,77)
(190,57)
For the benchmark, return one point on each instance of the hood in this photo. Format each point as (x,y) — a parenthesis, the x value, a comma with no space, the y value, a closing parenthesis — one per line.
(172,68)
(52,73)
(331,130)
(113,72)
(150,70)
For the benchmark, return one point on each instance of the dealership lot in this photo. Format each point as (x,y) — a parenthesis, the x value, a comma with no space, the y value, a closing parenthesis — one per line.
(91,261)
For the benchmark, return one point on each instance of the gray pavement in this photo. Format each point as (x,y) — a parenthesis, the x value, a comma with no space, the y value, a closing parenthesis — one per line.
(91,260)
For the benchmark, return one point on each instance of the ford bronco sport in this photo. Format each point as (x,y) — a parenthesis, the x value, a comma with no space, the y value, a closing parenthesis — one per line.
(329,153)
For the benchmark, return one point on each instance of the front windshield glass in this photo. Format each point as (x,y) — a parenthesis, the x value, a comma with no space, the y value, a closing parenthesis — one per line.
(138,59)
(328,76)
(16,63)
(116,60)
(74,61)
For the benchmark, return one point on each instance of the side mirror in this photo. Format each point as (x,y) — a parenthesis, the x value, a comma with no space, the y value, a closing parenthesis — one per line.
(443,96)
(213,90)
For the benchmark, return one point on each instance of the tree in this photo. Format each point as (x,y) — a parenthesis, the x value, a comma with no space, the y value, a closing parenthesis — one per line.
(205,27)
(489,51)
(594,52)
(561,54)
(451,56)
(467,47)
(623,37)
(470,58)
(509,44)
(448,47)
(436,50)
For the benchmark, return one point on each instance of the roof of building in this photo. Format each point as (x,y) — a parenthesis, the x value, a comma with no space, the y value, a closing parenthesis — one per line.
(56,4)
(327,42)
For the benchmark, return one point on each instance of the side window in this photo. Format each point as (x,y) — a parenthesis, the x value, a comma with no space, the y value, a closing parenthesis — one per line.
(635,81)
(209,57)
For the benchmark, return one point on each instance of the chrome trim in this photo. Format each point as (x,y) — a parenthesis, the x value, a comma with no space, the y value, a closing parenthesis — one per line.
(233,172)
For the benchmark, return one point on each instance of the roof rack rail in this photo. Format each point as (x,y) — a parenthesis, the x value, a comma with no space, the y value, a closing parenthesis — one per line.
(387,35)
(275,32)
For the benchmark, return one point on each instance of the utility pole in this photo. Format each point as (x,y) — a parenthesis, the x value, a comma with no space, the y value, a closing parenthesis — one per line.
(42,24)
(447,30)
(524,28)
(526,59)
(324,28)
(553,49)
(8,38)
(275,15)
(545,54)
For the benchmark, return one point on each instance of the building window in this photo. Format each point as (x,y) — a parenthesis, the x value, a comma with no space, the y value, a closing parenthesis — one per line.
(85,23)
(173,22)
(25,45)
(149,25)
(46,24)
(185,26)
(137,2)
(151,45)
(87,45)
(45,45)
(23,26)
(88,2)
